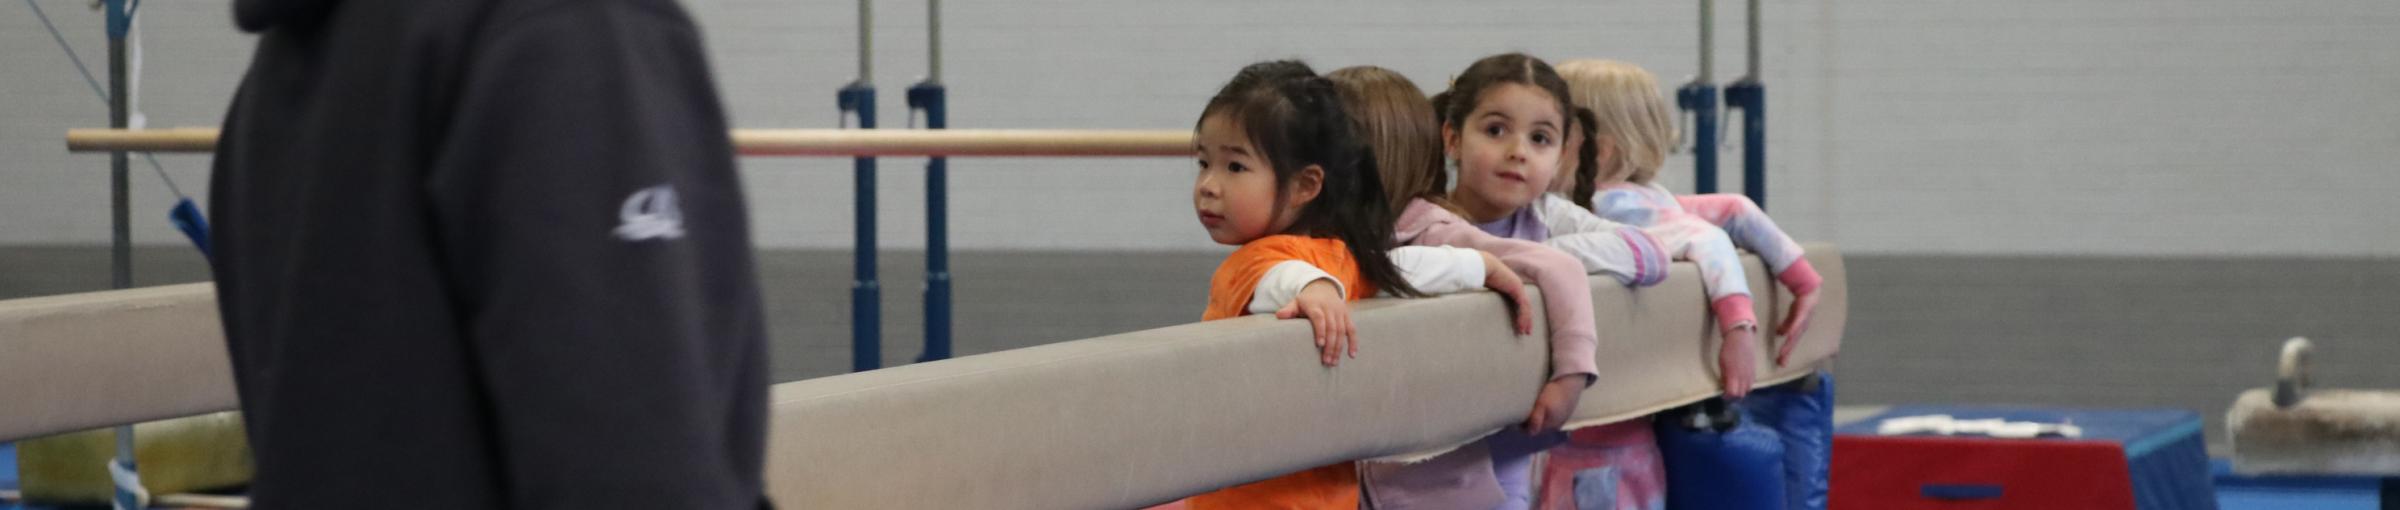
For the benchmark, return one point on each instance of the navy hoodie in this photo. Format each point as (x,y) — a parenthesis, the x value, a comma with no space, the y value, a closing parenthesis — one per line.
(487,254)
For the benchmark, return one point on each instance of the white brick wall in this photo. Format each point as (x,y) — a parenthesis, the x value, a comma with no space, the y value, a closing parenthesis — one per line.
(2177,128)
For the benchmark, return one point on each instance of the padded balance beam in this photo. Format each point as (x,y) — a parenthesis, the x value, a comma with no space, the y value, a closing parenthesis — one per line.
(782,142)
(1110,422)
(79,361)
(1129,420)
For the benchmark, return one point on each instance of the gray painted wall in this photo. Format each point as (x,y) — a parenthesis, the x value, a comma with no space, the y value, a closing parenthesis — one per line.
(2093,203)
(2145,128)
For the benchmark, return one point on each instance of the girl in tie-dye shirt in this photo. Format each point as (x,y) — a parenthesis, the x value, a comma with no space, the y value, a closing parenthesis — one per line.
(1631,134)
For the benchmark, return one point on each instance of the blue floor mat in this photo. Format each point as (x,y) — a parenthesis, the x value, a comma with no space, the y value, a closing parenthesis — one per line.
(2238,492)
(2275,499)
(8,466)
(8,472)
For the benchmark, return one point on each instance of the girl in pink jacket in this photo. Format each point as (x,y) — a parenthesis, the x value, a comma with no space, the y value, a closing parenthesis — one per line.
(1495,472)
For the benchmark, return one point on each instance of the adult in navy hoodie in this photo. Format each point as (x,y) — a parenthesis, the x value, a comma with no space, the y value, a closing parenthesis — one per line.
(487,254)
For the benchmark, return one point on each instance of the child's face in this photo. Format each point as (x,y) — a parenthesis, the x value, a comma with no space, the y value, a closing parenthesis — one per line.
(1235,192)
(1508,147)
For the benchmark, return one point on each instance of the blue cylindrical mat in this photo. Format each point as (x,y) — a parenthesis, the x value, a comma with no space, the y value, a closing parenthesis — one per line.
(1801,414)
(1729,463)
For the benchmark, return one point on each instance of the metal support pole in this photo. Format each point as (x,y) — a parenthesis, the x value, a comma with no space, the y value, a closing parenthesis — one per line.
(1753,39)
(1749,94)
(1700,98)
(930,97)
(866,296)
(1708,41)
(120,217)
(866,41)
(933,41)
(120,22)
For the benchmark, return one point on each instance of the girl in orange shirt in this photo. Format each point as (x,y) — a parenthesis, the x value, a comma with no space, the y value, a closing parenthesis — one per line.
(1284,174)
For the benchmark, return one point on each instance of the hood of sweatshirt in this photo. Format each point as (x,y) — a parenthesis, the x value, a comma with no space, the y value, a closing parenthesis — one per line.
(1420,216)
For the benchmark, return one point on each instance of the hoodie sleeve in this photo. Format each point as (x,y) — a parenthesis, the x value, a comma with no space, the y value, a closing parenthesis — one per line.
(1625,252)
(1750,228)
(1429,269)
(1566,292)
(1283,283)
(1436,270)
(587,208)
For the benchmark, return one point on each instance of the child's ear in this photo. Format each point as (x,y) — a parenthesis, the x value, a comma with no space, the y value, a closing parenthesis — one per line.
(1449,141)
(1307,185)
(1607,153)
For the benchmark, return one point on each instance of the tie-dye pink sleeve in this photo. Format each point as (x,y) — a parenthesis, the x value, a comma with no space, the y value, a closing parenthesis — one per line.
(1748,226)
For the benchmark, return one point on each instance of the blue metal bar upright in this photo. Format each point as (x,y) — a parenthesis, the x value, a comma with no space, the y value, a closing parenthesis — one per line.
(930,97)
(866,296)
(1700,98)
(1749,95)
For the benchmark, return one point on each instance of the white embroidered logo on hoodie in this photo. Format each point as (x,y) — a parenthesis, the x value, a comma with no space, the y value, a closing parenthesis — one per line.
(650,214)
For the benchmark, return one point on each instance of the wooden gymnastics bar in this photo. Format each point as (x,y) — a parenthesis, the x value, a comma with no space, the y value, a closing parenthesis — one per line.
(782,142)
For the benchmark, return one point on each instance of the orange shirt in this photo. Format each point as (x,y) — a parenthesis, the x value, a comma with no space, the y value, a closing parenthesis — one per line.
(1333,487)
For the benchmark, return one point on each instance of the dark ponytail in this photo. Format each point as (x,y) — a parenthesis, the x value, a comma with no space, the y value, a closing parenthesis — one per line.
(1441,104)
(1587,158)
(1295,118)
